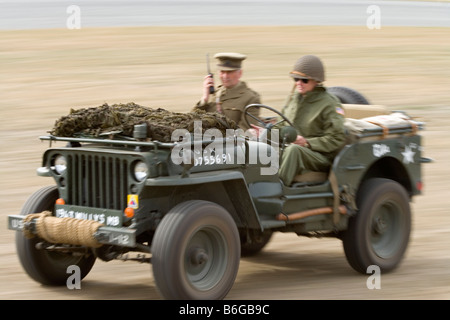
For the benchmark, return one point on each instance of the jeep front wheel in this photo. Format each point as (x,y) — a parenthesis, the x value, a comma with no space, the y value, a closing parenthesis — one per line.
(47,267)
(379,233)
(196,252)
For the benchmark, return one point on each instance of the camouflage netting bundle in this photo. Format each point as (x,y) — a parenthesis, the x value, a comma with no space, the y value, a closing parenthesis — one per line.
(120,118)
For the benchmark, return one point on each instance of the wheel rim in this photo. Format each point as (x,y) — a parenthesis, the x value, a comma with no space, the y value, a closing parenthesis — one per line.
(386,230)
(205,258)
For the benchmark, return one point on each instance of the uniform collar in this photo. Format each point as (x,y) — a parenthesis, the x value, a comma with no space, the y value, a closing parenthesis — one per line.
(312,95)
(237,90)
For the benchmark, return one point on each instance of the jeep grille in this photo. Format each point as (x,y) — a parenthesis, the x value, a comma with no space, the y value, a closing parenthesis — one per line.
(98,181)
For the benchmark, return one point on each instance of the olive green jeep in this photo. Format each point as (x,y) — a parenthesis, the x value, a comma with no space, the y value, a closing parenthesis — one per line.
(192,207)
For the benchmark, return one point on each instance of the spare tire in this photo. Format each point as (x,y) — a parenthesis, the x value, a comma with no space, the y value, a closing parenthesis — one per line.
(348,95)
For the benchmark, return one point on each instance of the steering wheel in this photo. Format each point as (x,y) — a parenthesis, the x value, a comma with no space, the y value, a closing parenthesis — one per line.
(265,124)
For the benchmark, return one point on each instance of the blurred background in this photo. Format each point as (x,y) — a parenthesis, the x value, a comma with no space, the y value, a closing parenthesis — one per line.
(59,55)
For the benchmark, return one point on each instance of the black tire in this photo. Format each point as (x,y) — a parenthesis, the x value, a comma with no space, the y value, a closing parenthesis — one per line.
(379,233)
(348,95)
(258,240)
(46,267)
(195,252)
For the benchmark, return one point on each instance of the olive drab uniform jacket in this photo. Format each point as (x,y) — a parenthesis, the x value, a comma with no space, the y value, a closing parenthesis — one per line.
(232,102)
(318,117)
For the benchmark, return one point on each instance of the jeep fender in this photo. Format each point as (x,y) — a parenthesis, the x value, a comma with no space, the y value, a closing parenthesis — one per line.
(359,162)
(226,188)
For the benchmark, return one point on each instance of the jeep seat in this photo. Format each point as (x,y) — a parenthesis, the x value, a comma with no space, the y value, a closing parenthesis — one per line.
(309,178)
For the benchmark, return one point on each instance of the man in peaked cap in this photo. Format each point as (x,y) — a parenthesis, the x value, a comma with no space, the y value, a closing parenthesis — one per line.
(233,95)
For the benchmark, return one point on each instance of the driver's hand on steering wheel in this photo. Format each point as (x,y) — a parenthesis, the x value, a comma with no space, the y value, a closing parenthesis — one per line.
(271,120)
(256,130)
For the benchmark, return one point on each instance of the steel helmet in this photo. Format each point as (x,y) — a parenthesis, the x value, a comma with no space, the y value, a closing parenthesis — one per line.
(309,67)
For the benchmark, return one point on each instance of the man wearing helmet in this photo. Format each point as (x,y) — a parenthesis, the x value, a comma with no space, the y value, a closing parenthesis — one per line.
(317,116)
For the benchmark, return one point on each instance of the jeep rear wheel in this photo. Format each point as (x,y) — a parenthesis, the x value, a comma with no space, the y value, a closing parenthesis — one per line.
(196,252)
(379,233)
(47,267)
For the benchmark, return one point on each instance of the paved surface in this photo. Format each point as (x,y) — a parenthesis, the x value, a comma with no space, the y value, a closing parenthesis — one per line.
(22,14)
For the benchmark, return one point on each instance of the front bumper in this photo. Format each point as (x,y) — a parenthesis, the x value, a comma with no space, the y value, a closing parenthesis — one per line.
(123,237)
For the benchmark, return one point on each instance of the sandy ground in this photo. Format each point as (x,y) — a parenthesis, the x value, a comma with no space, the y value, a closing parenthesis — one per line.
(47,72)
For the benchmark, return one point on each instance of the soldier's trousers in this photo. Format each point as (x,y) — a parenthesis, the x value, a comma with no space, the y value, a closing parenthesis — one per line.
(299,160)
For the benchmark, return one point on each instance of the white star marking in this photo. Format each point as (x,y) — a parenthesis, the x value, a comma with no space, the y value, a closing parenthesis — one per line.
(408,155)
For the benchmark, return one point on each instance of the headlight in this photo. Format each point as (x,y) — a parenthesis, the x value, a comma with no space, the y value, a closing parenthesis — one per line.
(140,171)
(60,164)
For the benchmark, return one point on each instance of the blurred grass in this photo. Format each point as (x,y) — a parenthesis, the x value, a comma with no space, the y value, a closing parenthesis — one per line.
(47,72)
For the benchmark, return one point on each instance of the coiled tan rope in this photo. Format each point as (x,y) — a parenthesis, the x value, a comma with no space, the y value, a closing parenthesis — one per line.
(63,230)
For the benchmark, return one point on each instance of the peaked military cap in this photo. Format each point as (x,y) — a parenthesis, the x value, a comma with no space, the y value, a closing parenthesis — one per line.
(229,61)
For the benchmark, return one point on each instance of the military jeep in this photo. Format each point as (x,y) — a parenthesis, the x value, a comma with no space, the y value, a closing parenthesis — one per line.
(192,207)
